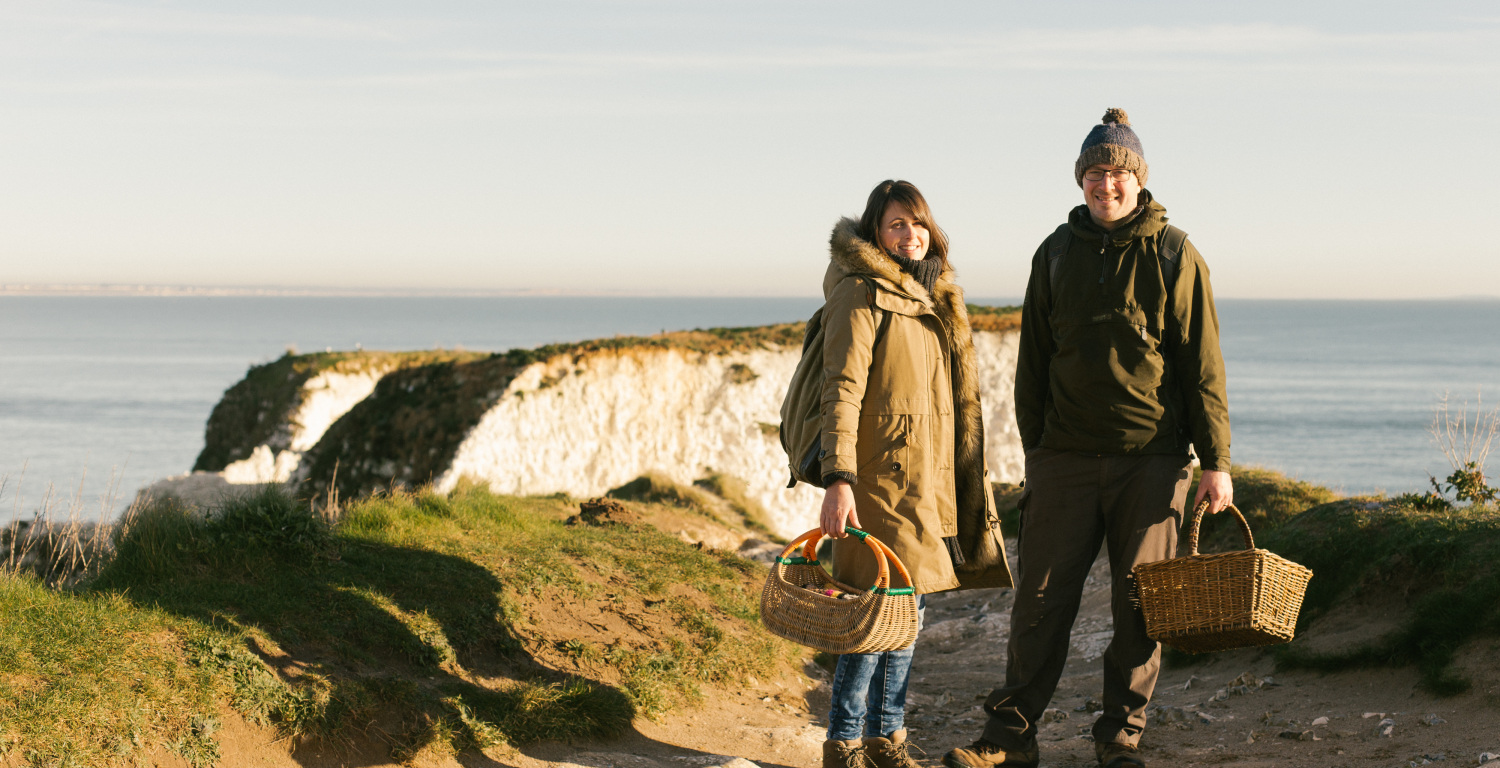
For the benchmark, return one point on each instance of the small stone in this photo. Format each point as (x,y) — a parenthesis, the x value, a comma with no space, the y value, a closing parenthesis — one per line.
(1246,680)
(1486,757)
(1220,695)
(1369,715)
(1320,721)
(740,762)
(1053,715)
(1250,737)
(1297,735)
(1433,719)
(1174,716)
(1205,718)
(1387,727)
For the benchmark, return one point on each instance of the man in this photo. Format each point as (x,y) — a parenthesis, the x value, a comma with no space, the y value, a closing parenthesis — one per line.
(1119,370)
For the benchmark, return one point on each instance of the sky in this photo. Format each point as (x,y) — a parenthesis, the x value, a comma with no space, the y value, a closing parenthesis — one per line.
(1311,150)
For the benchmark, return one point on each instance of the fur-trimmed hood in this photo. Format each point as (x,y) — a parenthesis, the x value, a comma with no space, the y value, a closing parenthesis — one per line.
(849,254)
(852,256)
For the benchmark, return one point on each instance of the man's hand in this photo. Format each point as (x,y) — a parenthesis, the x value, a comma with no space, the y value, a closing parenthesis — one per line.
(1215,486)
(838,509)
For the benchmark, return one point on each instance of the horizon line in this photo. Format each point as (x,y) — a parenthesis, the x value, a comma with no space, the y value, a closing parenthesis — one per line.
(272,291)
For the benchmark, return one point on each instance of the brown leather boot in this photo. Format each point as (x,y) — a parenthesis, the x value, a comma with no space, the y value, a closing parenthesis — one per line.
(889,752)
(845,754)
(1115,755)
(983,754)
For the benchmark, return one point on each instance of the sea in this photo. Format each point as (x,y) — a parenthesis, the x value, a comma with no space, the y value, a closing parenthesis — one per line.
(101,395)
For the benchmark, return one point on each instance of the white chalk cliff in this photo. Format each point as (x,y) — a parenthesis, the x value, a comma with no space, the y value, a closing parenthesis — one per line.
(324,398)
(583,427)
(582,424)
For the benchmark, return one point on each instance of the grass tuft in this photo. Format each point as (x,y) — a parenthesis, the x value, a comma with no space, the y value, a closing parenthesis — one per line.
(734,491)
(654,488)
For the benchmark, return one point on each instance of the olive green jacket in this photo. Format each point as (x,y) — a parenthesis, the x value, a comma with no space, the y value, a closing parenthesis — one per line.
(1113,363)
(902,415)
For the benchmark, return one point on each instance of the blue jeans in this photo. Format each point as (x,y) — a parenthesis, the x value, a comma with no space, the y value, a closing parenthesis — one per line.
(869,691)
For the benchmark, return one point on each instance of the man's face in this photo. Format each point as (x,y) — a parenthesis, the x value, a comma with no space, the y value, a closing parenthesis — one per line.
(1110,198)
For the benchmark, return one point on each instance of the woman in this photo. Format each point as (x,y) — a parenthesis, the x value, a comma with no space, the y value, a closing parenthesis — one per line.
(903,446)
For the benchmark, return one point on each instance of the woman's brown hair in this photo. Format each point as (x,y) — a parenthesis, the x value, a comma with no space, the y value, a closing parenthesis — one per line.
(907,194)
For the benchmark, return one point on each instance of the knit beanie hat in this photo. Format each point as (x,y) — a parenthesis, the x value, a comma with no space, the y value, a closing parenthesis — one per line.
(1112,142)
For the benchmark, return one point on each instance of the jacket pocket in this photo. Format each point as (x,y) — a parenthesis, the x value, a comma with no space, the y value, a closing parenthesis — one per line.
(883,446)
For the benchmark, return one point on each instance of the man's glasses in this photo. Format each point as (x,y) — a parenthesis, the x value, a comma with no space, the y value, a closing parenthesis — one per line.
(1098,174)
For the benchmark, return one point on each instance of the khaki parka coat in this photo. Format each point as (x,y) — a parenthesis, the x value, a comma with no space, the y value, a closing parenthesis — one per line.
(901,413)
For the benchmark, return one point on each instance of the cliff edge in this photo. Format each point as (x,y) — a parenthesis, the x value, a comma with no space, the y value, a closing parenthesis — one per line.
(571,418)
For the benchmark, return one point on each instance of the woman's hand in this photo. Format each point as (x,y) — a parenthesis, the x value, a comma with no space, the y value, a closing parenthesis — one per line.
(838,509)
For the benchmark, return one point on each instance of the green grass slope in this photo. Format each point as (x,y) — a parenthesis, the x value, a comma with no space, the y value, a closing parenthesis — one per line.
(435,622)
(1440,568)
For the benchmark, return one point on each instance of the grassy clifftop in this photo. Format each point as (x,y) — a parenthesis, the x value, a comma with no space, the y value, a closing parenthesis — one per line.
(426,623)
(442,622)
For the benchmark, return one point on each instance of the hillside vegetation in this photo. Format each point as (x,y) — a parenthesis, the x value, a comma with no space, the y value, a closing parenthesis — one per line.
(413,624)
(425,623)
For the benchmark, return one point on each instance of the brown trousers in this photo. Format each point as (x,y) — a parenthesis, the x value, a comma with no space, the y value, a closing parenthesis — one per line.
(1131,503)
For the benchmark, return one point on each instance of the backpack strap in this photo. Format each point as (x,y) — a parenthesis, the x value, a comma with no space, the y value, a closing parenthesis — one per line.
(883,323)
(1057,247)
(809,463)
(1172,242)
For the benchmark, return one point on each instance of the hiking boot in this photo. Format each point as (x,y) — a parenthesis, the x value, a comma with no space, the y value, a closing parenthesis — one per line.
(845,754)
(1115,755)
(983,754)
(891,752)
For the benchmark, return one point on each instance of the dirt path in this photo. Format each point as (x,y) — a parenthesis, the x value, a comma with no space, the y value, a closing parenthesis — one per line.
(1231,709)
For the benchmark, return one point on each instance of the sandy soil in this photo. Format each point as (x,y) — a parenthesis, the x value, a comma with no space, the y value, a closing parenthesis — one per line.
(1231,709)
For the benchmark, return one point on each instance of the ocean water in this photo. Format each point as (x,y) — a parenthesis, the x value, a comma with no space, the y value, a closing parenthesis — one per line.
(102,395)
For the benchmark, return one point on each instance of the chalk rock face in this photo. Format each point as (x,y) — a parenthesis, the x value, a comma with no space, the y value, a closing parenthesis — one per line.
(586,426)
(324,398)
(581,420)
(996,354)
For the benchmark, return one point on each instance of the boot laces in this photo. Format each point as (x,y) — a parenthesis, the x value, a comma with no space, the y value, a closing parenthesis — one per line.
(898,755)
(850,756)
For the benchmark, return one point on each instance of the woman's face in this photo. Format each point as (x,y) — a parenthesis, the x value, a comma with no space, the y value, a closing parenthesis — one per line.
(901,233)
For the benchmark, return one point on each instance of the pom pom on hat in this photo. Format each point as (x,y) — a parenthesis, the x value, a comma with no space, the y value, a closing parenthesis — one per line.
(1113,141)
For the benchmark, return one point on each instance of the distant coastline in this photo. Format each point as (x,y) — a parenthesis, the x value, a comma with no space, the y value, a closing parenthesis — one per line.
(155,290)
(138,289)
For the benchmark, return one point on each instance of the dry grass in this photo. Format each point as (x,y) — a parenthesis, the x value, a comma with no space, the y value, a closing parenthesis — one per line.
(63,540)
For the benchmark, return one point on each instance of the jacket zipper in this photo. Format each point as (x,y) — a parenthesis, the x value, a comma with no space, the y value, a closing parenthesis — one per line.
(1103,259)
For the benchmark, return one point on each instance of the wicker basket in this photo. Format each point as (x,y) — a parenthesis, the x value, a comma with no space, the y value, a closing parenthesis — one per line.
(793,604)
(1200,603)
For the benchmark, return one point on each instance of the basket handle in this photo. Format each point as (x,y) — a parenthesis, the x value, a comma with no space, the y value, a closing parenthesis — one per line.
(1192,536)
(809,543)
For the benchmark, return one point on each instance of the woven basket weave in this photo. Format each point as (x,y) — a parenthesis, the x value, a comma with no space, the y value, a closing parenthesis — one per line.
(881,618)
(1200,603)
